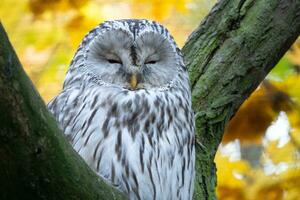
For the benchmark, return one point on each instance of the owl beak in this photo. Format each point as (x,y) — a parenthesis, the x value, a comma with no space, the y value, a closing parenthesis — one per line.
(133,81)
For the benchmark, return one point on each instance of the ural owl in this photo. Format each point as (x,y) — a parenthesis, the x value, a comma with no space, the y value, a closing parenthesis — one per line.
(126,109)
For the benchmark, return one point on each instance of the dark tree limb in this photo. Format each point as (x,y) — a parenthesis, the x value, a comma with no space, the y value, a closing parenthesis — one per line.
(228,56)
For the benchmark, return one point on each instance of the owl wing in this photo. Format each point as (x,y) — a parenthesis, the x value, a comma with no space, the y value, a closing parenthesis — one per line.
(63,106)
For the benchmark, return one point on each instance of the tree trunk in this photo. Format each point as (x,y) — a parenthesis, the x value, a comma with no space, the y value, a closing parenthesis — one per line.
(228,56)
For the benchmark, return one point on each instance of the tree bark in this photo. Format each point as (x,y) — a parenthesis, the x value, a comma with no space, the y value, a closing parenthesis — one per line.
(228,55)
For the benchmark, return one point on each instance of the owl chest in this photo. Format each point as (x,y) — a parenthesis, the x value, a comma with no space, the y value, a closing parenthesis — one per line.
(143,161)
(145,152)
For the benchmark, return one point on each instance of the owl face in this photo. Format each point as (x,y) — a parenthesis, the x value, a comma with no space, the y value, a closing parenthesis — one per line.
(133,54)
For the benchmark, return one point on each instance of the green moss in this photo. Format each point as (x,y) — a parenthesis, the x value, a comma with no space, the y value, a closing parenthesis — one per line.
(227,57)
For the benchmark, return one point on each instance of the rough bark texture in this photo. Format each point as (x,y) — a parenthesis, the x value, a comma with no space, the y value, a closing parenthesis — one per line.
(228,56)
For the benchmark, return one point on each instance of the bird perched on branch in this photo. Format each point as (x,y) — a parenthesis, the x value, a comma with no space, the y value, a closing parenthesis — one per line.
(126,109)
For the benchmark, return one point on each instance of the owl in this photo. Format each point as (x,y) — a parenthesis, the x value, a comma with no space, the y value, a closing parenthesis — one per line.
(126,109)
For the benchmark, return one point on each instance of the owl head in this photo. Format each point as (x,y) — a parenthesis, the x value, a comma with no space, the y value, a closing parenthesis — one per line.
(131,54)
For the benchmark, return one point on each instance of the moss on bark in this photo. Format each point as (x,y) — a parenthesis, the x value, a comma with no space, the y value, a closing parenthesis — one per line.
(228,55)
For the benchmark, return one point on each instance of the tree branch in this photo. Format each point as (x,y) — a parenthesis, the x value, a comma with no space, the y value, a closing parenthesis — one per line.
(228,55)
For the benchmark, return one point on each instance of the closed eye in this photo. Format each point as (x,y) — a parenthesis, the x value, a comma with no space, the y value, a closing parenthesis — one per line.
(150,62)
(152,59)
(114,61)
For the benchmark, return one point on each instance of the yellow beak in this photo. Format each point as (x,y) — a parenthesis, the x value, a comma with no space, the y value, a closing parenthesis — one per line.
(133,81)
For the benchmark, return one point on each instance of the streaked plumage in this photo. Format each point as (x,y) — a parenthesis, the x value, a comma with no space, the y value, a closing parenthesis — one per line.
(136,133)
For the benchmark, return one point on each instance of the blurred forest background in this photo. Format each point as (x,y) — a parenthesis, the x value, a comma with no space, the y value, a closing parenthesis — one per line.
(259,154)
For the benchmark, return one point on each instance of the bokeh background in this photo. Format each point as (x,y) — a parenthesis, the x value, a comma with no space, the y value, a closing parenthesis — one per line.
(259,154)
